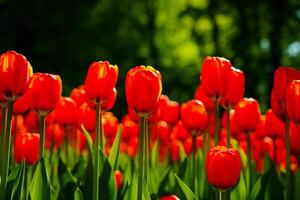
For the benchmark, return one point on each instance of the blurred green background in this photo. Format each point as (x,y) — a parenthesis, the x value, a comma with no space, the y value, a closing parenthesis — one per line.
(65,36)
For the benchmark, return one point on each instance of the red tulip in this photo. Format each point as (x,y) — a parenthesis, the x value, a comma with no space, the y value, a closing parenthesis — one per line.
(260,131)
(21,105)
(100,81)
(55,135)
(169,197)
(236,88)
(27,147)
(179,132)
(15,72)
(162,131)
(194,116)
(274,126)
(118,177)
(79,96)
(44,92)
(143,88)
(200,95)
(109,103)
(292,101)
(174,150)
(170,112)
(129,129)
(223,167)
(295,138)
(66,111)
(247,114)
(87,117)
(110,125)
(215,76)
(234,129)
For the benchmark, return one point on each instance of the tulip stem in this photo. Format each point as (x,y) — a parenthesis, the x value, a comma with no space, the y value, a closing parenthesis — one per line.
(288,161)
(216,122)
(3,126)
(222,195)
(96,152)
(249,162)
(194,156)
(141,158)
(6,148)
(228,127)
(146,151)
(42,136)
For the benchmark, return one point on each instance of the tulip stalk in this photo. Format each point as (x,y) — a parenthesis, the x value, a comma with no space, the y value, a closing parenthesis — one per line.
(216,122)
(141,158)
(6,148)
(288,161)
(4,109)
(223,194)
(146,151)
(99,135)
(194,161)
(228,127)
(42,136)
(249,162)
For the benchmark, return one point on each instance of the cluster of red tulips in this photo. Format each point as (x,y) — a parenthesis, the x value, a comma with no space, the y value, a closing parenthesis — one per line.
(217,145)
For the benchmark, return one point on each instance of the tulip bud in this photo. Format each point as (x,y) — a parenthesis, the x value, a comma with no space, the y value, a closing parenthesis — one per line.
(292,100)
(223,167)
(169,197)
(27,147)
(247,114)
(15,72)
(118,178)
(194,116)
(66,111)
(143,88)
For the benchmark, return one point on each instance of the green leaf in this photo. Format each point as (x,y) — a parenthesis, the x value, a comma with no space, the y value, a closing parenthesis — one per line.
(78,194)
(40,185)
(268,186)
(240,190)
(296,185)
(146,194)
(107,182)
(16,180)
(88,180)
(65,176)
(132,191)
(154,154)
(114,153)
(182,154)
(88,139)
(185,189)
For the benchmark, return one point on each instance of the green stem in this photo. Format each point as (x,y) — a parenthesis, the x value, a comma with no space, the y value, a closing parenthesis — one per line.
(96,152)
(4,119)
(42,136)
(222,195)
(141,158)
(216,122)
(288,161)
(228,127)
(146,151)
(249,162)
(194,156)
(6,149)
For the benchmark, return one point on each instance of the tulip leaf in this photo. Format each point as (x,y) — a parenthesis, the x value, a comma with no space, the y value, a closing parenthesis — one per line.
(132,191)
(114,153)
(240,190)
(182,154)
(296,185)
(268,186)
(88,139)
(185,189)
(154,154)
(107,182)
(16,180)
(88,180)
(65,175)
(40,187)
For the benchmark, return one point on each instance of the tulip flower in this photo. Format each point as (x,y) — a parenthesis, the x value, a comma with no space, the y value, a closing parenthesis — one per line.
(118,178)
(78,95)
(200,95)
(215,79)
(66,111)
(274,126)
(292,100)
(15,72)
(283,76)
(235,92)
(194,118)
(99,87)
(295,138)
(170,112)
(247,115)
(27,147)
(143,88)
(223,167)
(109,103)
(110,125)
(169,197)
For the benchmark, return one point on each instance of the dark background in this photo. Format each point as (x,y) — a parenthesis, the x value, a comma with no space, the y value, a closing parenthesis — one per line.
(65,36)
